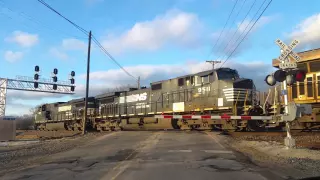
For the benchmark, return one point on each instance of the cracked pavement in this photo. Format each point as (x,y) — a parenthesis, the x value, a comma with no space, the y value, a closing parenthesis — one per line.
(147,155)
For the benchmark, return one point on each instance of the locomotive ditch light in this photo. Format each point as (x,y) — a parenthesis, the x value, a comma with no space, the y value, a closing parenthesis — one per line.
(270,80)
(280,75)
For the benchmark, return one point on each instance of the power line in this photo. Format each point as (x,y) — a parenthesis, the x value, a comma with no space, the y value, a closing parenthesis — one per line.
(223,27)
(86,32)
(247,32)
(239,28)
(30,18)
(110,56)
(74,24)
(233,21)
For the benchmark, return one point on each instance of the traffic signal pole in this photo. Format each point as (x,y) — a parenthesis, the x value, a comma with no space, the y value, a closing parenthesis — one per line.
(87,88)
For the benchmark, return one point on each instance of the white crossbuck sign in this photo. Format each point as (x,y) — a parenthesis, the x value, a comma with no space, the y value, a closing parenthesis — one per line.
(287,50)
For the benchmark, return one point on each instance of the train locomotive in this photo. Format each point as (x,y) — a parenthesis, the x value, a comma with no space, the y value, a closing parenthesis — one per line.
(214,92)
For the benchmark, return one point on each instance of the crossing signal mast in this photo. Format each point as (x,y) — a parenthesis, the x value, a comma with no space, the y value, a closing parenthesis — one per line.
(287,74)
(35,84)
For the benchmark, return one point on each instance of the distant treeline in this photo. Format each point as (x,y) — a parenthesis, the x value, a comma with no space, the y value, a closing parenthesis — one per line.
(25,122)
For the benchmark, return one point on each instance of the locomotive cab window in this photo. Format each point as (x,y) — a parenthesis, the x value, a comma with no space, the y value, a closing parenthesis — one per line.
(156,86)
(205,79)
(180,81)
(227,74)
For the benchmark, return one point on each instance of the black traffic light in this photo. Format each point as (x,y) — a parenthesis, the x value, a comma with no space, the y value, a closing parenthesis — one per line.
(36,68)
(72,80)
(36,76)
(55,79)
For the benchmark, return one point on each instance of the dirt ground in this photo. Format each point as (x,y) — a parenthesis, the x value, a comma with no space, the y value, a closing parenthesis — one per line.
(29,152)
(269,151)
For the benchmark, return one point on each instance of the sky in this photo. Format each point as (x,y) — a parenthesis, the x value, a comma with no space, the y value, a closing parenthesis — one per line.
(155,40)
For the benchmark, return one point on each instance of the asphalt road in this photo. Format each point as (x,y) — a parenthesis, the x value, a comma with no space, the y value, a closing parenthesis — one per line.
(145,156)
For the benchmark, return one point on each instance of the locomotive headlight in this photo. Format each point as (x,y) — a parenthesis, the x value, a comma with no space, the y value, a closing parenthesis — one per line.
(270,80)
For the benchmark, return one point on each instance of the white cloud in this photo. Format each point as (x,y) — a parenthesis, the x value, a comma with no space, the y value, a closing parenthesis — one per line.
(73,44)
(174,27)
(58,53)
(24,39)
(61,51)
(307,32)
(11,56)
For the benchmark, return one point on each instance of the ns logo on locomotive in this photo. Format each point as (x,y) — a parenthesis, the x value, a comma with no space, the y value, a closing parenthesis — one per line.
(194,101)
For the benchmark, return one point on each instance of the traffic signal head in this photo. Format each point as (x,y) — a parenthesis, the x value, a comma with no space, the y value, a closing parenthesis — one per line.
(36,77)
(36,69)
(72,88)
(270,80)
(55,71)
(55,78)
(73,73)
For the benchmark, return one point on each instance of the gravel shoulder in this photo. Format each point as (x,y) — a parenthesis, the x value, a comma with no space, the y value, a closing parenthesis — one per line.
(14,157)
(270,152)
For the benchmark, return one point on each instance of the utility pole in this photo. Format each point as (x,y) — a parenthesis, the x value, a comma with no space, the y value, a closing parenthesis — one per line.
(213,63)
(139,82)
(87,88)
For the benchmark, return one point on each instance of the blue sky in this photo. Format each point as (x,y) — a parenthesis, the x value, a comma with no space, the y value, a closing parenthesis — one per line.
(152,39)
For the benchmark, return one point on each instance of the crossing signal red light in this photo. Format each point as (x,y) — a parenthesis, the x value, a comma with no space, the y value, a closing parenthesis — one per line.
(300,75)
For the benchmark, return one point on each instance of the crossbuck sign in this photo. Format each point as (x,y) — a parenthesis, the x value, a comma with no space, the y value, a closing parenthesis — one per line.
(287,51)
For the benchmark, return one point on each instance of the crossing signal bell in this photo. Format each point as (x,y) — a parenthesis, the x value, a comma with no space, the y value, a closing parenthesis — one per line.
(291,77)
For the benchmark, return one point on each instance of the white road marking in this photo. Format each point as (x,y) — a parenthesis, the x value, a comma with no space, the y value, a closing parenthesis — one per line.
(218,151)
(180,151)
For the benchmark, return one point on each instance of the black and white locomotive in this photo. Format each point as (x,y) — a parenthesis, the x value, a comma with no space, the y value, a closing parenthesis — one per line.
(194,101)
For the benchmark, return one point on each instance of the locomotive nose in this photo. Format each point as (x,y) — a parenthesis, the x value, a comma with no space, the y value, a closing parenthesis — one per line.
(243,84)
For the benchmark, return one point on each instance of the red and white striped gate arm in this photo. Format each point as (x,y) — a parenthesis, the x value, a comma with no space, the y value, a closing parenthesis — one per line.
(213,117)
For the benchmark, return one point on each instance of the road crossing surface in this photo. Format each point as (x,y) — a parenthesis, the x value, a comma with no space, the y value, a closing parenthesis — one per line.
(147,155)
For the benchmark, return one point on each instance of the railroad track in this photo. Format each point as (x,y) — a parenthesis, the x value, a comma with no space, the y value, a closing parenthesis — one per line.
(310,140)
